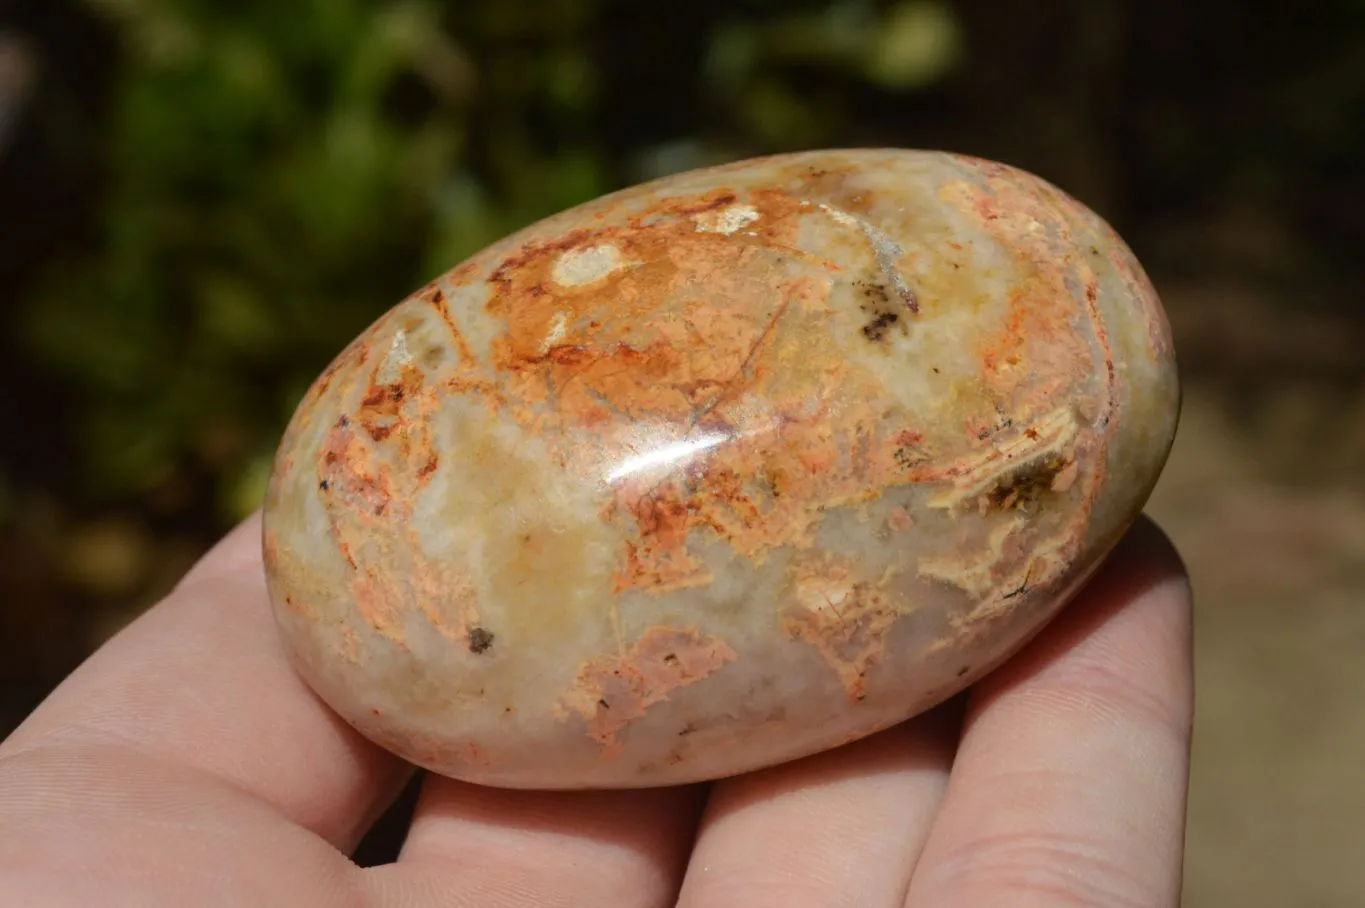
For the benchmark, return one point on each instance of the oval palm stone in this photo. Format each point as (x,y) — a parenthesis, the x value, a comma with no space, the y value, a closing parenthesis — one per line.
(718,471)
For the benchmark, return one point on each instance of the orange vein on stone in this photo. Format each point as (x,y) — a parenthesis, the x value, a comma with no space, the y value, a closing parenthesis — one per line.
(612,692)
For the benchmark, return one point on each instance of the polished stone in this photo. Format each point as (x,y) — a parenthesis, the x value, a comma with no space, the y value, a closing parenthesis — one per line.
(719,471)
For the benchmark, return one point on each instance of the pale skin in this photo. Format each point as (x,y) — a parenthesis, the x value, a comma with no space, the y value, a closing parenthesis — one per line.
(185,764)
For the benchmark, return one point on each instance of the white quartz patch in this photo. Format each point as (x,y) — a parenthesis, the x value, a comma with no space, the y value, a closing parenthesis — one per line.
(391,369)
(559,326)
(584,266)
(727,220)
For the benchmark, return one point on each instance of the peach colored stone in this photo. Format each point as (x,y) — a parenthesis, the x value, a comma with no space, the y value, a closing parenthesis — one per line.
(718,471)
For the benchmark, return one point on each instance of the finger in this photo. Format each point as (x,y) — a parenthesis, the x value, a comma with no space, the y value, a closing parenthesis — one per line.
(94,826)
(841,828)
(473,847)
(1070,782)
(201,681)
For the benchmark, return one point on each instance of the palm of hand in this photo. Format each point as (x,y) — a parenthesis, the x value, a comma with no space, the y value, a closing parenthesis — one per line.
(186,764)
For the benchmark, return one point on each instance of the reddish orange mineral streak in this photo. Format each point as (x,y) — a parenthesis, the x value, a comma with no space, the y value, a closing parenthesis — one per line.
(846,620)
(659,334)
(673,336)
(371,477)
(613,691)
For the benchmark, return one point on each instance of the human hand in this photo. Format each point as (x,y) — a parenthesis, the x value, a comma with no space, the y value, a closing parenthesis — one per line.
(185,764)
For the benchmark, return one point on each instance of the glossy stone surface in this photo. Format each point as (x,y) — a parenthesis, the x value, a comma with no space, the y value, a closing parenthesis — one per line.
(718,471)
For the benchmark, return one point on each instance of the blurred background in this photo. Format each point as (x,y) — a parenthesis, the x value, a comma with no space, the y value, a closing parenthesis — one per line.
(202,201)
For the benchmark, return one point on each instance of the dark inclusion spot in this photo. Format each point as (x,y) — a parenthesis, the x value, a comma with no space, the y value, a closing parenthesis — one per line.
(963,670)
(671,659)
(433,357)
(324,485)
(875,330)
(1004,423)
(480,639)
(604,704)
(874,295)
(876,302)
(908,458)
(1026,487)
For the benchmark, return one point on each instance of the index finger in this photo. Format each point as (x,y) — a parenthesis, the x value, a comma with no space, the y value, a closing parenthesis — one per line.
(1070,782)
(201,680)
